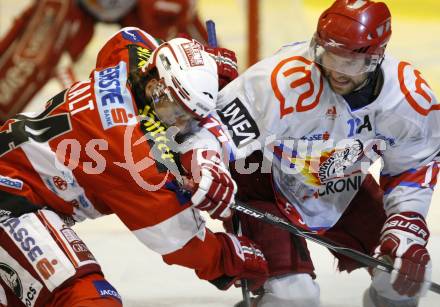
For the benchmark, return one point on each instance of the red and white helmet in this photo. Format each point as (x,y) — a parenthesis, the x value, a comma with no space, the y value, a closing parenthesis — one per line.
(354,29)
(188,73)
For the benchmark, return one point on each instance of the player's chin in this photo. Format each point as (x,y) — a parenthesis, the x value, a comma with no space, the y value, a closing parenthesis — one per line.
(342,89)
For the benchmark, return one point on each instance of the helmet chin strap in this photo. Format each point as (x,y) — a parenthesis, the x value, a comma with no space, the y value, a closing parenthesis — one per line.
(363,84)
(377,78)
(372,78)
(368,91)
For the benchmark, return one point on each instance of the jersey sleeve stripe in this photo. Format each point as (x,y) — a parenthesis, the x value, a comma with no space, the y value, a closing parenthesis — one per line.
(424,177)
(173,233)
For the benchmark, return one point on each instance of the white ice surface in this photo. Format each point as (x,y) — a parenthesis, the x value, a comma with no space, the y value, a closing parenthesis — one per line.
(144,280)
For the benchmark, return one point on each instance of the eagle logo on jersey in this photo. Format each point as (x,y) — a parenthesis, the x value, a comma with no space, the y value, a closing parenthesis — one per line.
(10,277)
(330,165)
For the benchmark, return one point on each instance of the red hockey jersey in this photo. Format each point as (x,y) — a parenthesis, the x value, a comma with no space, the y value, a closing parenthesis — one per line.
(86,154)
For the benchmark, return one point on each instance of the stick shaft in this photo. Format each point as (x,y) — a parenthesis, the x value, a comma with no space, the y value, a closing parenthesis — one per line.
(212,36)
(362,258)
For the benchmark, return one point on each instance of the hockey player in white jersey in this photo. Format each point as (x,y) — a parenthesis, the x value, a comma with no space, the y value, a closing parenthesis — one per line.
(321,112)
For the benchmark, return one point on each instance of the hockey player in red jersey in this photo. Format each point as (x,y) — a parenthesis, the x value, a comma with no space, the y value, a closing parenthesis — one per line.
(49,29)
(321,111)
(104,146)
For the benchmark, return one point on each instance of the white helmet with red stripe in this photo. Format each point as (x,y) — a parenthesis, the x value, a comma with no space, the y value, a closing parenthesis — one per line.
(189,73)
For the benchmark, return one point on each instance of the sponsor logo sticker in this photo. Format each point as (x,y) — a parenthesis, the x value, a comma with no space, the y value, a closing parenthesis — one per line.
(105,289)
(114,101)
(11,183)
(238,120)
(19,280)
(11,279)
(60,183)
(193,54)
(78,246)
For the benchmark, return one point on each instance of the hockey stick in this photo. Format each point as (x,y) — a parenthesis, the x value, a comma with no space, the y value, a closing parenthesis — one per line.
(212,42)
(351,253)
(212,36)
(243,282)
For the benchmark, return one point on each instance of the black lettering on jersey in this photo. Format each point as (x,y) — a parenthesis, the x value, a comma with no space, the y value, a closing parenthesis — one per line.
(365,125)
(155,132)
(341,185)
(137,57)
(41,129)
(238,120)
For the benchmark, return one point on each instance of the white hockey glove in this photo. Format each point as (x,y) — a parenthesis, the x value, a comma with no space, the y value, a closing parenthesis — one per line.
(214,189)
(403,241)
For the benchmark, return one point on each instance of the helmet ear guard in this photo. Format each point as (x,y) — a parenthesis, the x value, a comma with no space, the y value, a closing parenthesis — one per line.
(189,73)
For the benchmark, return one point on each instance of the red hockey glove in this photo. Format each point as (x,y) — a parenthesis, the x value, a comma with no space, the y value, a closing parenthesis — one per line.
(226,64)
(403,239)
(214,189)
(242,259)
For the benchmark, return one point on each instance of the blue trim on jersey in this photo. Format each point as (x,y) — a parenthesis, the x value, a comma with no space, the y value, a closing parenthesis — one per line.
(410,171)
(133,36)
(405,184)
(105,289)
(182,195)
(293,44)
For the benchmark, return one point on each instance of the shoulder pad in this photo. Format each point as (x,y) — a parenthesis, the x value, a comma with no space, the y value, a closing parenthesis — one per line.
(297,84)
(133,35)
(416,90)
(115,49)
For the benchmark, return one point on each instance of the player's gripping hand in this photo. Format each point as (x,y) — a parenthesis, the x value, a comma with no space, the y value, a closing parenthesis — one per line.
(403,241)
(212,185)
(241,259)
(226,64)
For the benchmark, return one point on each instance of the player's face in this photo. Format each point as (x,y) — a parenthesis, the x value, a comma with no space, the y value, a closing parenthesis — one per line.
(167,108)
(341,83)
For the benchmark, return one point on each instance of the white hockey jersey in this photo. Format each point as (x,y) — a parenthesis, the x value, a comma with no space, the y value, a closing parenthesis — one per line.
(321,149)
